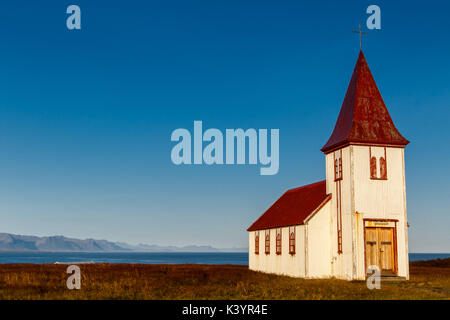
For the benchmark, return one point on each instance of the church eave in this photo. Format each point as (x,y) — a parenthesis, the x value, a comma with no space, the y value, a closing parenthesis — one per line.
(346,143)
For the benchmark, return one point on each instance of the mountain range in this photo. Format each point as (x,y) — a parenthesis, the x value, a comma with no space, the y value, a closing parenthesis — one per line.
(14,242)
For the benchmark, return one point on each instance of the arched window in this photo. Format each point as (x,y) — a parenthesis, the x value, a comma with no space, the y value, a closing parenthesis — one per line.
(373,168)
(267,242)
(292,240)
(257,242)
(278,242)
(383,168)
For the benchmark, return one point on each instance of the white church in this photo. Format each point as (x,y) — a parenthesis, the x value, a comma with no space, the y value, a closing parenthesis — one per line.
(354,219)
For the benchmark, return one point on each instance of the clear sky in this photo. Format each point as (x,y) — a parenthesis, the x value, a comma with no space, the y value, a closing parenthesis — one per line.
(86,116)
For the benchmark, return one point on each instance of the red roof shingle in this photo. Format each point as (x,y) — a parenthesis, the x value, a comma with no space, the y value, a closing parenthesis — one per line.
(293,207)
(364,117)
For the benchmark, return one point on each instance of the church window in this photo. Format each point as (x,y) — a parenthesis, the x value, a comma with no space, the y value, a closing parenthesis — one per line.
(278,241)
(257,242)
(292,240)
(375,173)
(373,168)
(338,165)
(267,242)
(383,169)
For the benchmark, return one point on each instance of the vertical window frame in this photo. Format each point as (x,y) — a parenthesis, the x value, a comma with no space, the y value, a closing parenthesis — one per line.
(292,240)
(373,168)
(257,242)
(383,168)
(278,237)
(337,162)
(267,242)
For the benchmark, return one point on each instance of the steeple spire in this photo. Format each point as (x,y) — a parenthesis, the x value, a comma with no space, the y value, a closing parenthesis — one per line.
(364,117)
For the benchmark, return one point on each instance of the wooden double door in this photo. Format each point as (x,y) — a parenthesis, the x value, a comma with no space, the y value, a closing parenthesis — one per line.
(381,250)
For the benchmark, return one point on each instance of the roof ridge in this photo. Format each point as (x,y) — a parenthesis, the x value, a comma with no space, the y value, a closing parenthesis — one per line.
(306,185)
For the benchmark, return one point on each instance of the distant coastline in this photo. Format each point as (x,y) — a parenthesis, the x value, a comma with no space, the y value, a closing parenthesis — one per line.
(26,243)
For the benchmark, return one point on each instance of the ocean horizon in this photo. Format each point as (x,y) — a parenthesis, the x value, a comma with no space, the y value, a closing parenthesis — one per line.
(236,258)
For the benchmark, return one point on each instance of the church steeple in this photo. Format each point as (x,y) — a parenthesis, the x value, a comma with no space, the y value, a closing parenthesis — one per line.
(364,117)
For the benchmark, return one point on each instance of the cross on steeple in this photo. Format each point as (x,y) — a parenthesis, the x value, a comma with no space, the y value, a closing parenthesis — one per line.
(360,35)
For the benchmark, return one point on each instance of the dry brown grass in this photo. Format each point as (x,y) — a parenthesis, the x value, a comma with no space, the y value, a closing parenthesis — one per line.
(138,281)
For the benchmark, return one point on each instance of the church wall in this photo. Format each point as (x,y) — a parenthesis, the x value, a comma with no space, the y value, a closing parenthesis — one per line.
(347,216)
(284,263)
(381,199)
(319,243)
(329,167)
(342,263)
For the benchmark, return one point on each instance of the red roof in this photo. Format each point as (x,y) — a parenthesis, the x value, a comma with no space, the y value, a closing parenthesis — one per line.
(364,117)
(293,207)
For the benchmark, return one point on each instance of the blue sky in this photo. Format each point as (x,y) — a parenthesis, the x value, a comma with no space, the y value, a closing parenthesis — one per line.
(86,116)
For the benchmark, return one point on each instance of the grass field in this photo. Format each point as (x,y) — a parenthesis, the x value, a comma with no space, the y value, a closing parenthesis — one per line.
(429,280)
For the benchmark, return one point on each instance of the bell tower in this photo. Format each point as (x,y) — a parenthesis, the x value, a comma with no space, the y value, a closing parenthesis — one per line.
(365,173)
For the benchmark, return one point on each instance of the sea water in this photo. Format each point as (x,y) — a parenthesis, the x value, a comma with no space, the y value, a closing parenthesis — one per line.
(239,258)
